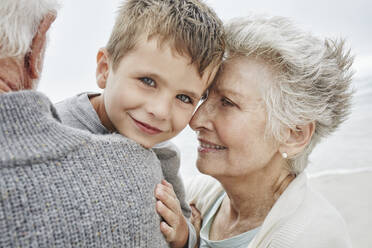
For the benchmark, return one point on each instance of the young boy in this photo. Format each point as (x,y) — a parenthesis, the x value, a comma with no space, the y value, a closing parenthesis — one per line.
(161,57)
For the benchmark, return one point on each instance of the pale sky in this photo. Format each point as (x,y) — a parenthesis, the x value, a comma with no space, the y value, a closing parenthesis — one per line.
(83,26)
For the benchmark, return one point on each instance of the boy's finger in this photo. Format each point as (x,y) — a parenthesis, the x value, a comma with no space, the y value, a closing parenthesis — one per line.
(169,200)
(167,231)
(165,182)
(169,216)
(169,189)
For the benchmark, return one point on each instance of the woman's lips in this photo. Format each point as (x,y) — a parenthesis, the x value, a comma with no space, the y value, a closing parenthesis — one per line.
(206,146)
(146,128)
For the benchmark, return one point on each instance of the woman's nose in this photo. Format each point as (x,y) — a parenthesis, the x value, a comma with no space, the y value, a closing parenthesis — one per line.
(203,116)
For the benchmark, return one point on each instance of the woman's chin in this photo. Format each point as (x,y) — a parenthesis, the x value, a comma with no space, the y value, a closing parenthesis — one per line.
(205,167)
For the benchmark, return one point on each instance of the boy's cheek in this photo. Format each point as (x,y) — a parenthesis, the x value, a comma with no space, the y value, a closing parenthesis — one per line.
(182,122)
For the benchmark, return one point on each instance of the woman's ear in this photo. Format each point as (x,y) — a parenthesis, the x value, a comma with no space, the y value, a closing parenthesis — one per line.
(103,68)
(297,140)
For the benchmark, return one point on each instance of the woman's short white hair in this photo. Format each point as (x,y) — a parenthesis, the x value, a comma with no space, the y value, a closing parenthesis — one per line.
(313,76)
(19,21)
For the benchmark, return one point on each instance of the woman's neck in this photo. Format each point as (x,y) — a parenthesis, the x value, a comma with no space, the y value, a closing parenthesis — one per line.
(250,198)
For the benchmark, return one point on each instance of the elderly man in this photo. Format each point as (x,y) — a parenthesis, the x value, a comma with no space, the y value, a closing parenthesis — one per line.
(61,187)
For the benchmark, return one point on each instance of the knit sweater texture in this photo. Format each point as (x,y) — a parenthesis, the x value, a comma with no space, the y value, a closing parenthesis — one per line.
(63,187)
(78,112)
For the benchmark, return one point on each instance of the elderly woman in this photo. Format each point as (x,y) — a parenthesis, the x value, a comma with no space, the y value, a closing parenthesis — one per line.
(279,92)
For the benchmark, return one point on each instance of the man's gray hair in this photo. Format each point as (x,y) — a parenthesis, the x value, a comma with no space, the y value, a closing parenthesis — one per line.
(313,77)
(19,21)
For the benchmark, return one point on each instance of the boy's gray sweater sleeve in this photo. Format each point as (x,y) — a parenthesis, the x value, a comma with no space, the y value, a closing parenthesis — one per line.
(169,157)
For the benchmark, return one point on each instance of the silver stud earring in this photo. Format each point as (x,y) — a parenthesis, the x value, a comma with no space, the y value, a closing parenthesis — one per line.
(284,155)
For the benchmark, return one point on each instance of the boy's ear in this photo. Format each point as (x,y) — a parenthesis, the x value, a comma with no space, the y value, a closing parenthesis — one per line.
(34,59)
(298,139)
(103,68)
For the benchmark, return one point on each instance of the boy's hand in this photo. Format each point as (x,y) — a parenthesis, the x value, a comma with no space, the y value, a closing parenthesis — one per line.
(174,228)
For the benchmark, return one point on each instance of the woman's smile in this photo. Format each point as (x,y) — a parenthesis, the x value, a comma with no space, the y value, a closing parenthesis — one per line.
(206,146)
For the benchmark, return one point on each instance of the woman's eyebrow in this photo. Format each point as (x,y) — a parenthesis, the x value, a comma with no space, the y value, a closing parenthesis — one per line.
(228,91)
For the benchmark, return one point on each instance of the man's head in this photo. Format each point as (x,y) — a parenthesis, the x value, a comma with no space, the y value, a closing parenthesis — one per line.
(23,27)
(161,57)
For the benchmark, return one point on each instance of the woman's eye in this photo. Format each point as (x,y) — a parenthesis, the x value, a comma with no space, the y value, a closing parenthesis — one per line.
(226,102)
(148,81)
(184,98)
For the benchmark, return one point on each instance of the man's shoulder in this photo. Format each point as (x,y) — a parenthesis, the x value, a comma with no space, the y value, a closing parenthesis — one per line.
(120,145)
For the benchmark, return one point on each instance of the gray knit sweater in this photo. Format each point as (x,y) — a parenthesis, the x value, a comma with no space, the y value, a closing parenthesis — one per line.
(63,187)
(78,112)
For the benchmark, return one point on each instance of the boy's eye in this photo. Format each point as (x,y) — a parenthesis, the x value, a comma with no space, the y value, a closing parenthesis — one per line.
(184,98)
(148,81)
(226,102)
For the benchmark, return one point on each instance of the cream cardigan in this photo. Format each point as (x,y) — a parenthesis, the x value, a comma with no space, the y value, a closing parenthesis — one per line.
(300,218)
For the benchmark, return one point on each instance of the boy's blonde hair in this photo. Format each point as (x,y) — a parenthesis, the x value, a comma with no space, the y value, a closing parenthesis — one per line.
(192,28)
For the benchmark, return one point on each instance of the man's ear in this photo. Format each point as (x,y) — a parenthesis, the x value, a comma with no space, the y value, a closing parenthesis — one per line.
(297,140)
(103,68)
(34,59)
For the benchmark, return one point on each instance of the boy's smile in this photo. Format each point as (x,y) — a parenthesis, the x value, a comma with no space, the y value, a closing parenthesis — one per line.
(152,93)
(146,128)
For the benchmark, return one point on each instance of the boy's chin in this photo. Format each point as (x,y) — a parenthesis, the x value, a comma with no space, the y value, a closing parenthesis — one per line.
(145,144)
(148,144)
(160,144)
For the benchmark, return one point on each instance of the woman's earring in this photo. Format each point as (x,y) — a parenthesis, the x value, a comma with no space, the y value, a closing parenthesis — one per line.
(284,155)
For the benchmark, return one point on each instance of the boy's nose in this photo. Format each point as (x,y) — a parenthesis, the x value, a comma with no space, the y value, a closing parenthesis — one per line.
(160,107)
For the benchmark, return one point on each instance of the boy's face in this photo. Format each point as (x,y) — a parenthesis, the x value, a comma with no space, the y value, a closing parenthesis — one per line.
(151,95)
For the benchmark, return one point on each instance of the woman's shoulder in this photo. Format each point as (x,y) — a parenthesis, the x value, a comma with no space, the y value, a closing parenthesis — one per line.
(315,223)
(303,218)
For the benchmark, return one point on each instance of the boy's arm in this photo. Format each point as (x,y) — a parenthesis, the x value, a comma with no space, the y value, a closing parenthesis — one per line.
(169,157)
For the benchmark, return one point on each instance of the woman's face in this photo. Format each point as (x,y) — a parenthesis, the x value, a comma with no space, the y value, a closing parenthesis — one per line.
(231,122)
